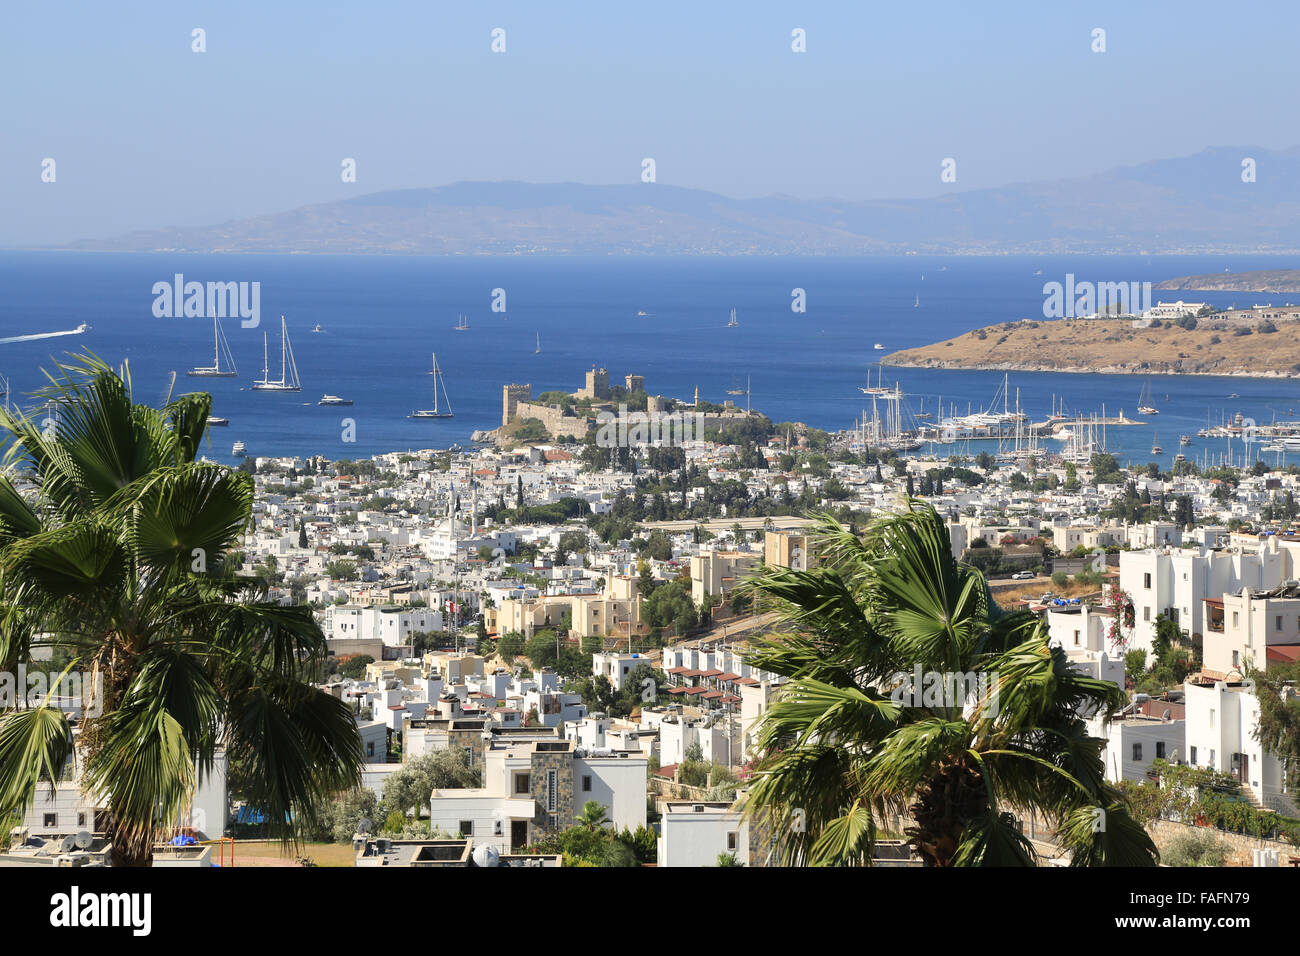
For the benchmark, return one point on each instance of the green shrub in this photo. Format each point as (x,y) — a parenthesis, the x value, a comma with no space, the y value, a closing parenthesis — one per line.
(1195,849)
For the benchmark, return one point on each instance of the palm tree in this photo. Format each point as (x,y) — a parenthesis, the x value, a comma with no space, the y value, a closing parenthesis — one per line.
(593,815)
(119,560)
(847,748)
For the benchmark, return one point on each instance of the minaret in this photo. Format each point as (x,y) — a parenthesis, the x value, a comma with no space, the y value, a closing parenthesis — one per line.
(697,396)
(473,509)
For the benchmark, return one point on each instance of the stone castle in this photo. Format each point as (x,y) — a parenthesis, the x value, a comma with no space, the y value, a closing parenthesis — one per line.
(517,403)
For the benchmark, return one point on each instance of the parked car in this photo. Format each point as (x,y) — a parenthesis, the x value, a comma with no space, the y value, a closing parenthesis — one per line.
(1022,576)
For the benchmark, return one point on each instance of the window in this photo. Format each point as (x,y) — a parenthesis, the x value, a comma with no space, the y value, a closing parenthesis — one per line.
(521,783)
(469,756)
(1211,725)
(51,819)
(1160,749)
(466,828)
(1277,623)
(1236,658)
(370,748)
(1193,756)
(731,840)
(1211,758)
(1146,581)
(81,819)
(1234,618)
(552,784)
(1137,751)
(1076,638)
(1146,613)
(586,783)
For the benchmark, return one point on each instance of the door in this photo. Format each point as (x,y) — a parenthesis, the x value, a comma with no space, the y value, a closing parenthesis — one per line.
(518,835)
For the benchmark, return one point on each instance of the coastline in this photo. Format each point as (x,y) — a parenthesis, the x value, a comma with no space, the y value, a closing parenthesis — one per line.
(1081,370)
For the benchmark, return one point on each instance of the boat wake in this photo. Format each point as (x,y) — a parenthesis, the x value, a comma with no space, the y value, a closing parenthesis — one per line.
(36,336)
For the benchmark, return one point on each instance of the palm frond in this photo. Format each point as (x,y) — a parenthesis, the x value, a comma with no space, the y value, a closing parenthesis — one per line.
(34,746)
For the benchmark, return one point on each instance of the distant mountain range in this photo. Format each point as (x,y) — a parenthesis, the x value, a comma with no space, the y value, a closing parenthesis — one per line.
(1194,204)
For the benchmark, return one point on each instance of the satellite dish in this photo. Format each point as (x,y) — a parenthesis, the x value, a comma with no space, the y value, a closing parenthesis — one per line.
(364,825)
(486,855)
(1167,714)
(83,839)
(68,844)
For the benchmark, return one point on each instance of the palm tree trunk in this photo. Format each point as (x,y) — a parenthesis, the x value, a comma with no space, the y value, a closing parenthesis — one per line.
(942,811)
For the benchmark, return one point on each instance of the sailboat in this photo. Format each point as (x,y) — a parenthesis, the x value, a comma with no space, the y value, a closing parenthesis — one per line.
(1155,444)
(878,389)
(539,344)
(733,323)
(1144,401)
(436,411)
(288,380)
(917,303)
(219,345)
(462,324)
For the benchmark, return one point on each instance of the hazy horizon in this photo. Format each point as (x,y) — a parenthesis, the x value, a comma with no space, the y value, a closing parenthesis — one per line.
(148,134)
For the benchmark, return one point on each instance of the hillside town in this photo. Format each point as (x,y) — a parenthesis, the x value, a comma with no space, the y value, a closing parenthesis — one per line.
(554,640)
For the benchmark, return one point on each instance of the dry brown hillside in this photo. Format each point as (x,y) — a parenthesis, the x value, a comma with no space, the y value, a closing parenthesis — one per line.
(1113,345)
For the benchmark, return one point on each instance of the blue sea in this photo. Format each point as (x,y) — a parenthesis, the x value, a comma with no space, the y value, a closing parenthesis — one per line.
(383,316)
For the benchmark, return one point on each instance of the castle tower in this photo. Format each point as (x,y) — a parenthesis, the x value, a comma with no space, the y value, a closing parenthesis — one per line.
(511,396)
(597,387)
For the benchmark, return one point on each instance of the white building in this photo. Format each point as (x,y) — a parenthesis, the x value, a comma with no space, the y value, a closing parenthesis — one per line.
(1222,719)
(615,666)
(392,625)
(1239,628)
(1135,741)
(532,785)
(696,834)
(1176,583)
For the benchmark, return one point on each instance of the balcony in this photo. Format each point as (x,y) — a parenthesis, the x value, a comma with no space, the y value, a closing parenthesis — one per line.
(1214,616)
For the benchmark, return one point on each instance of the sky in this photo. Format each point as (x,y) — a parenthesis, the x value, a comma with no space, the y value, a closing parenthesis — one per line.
(146,133)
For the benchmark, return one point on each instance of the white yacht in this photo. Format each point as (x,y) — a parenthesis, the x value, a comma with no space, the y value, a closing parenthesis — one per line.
(288,380)
(438,410)
(334,400)
(220,347)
